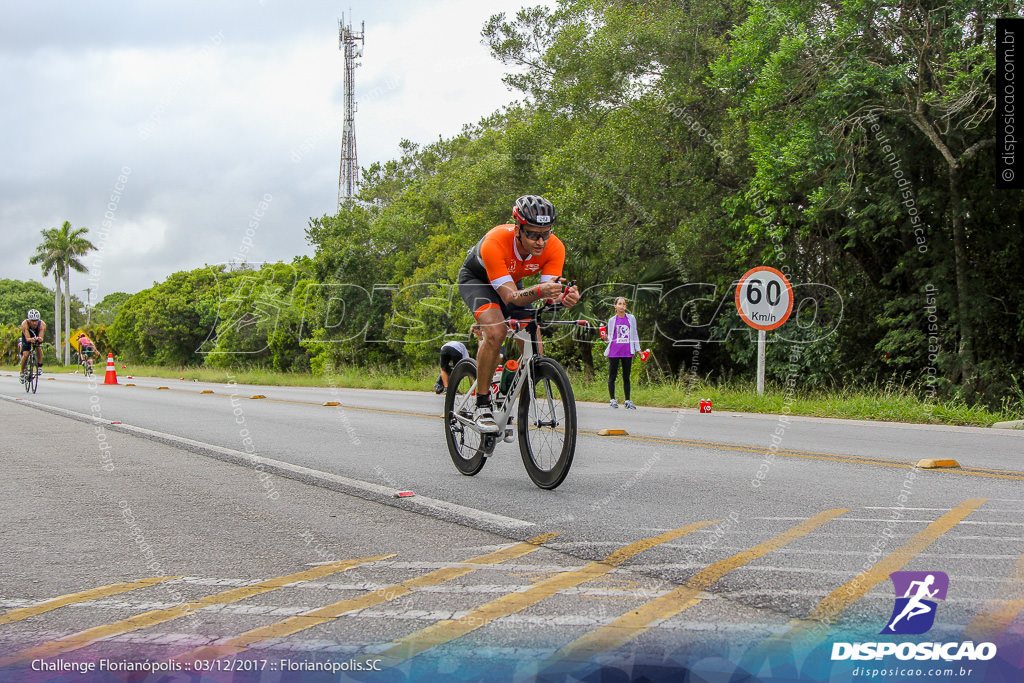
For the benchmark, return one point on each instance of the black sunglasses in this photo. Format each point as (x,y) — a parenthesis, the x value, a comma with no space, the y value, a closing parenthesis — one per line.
(535,235)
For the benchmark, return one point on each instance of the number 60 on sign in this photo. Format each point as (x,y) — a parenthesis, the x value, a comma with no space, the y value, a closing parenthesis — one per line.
(764,298)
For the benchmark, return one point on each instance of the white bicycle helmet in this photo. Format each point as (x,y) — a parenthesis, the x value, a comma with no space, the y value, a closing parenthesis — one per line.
(33,314)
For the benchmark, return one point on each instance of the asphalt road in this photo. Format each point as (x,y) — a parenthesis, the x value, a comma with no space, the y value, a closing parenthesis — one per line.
(679,546)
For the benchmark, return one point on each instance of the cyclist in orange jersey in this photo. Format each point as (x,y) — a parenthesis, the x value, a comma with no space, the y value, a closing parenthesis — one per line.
(490,283)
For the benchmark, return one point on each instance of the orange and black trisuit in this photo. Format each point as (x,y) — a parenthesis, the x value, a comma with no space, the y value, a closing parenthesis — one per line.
(495,260)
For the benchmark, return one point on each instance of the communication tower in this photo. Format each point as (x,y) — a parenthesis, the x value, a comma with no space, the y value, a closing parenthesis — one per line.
(348,176)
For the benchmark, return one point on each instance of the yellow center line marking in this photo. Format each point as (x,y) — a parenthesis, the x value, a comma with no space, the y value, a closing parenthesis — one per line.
(82,596)
(450,629)
(640,620)
(815,455)
(717,445)
(1000,611)
(811,629)
(301,622)
(152,618)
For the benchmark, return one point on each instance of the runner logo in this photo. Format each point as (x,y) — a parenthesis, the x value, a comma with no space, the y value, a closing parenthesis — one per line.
(916,593)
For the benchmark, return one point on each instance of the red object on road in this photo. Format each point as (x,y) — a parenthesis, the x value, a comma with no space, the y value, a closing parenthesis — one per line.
(404,494)
(705,405)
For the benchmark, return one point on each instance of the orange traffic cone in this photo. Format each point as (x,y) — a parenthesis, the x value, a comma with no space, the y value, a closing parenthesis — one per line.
(111,377)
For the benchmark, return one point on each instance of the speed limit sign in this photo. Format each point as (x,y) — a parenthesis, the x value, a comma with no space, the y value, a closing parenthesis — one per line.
(764,298)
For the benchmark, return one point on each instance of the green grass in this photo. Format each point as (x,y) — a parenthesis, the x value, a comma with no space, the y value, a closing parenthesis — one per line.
(882,404)
(885,403)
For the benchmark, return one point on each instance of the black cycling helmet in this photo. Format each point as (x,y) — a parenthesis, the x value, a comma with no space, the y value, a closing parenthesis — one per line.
(534,210)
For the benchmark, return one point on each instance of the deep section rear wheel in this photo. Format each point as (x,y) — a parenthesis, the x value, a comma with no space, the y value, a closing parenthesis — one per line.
(32,380)
(547,424)
(465,445)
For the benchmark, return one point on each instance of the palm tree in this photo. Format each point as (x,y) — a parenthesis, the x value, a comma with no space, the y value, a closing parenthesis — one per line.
(60,250)
(47,255)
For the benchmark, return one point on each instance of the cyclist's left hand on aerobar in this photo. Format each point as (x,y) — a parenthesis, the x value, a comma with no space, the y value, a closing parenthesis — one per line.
(570,296)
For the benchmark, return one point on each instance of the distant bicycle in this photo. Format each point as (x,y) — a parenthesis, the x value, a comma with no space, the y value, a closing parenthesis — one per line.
(546,417)
(87,349)
(30,377)
(86,362)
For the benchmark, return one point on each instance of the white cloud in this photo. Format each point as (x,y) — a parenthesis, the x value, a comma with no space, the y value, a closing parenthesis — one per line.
(213,107)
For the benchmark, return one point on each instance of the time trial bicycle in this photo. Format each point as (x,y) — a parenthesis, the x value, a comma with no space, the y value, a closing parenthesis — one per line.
(546,417)
(30,377)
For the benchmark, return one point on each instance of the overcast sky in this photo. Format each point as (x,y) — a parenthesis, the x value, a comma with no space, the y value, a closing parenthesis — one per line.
(193,112)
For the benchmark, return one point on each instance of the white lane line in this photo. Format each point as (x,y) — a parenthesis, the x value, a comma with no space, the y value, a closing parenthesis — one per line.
(292,471)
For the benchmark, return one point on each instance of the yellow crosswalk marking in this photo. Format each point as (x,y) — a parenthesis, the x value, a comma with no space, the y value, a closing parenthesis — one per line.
(81,596)
(152,618)
(808,631)
(450,629)
(330,612)
(638,621)
(998,613)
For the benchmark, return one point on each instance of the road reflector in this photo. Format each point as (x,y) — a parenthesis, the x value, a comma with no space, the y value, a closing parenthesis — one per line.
(129,384)
(404,494)
(257,396)
(163,388)
(206,391)
(928,463)
(50,379)
(331,403)
(613,432)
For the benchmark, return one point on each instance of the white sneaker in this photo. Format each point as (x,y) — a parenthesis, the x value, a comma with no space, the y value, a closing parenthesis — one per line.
(613,403)
(485,420)
(629,405)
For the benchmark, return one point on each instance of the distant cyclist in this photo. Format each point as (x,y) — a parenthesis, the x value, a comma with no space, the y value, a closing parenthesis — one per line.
(86,349)
(490,283)
(32,331)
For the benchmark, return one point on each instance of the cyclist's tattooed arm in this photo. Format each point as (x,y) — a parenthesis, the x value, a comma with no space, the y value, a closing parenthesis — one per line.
(521,297)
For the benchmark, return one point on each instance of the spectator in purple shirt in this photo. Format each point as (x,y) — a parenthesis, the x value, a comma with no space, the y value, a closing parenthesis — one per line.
(623,344)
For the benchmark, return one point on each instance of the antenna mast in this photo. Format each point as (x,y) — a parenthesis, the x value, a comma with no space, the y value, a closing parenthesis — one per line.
(348,176)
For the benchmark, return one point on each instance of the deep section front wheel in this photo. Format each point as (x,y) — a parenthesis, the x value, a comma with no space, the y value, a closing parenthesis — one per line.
(547,424)
(465,444)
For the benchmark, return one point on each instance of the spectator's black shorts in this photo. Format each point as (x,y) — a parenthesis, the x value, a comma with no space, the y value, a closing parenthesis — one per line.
(449,357)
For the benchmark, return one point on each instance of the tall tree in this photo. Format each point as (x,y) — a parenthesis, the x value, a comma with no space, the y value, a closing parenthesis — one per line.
(47,256)
(77,246)
(59,253)
(868,124)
